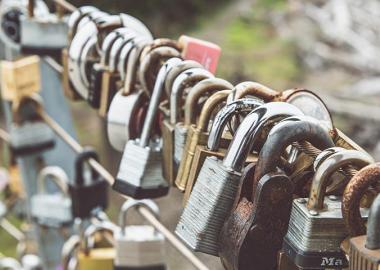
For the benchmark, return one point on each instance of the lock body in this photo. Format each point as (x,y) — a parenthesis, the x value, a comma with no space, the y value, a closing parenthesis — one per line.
(99,258)
(361,257)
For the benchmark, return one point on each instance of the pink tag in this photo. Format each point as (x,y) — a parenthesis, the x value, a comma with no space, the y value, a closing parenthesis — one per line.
(204,52)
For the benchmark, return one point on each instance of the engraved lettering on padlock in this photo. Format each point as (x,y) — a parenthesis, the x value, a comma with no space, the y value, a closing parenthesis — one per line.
(322,228)
(262,214)
(52,209)
(142,177)
(139,246)
(215,189)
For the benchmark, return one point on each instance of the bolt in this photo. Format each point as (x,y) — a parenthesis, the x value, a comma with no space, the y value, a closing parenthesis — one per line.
(313,213)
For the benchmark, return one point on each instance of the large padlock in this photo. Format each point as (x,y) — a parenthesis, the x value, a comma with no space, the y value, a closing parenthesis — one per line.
(53,209)
(28,133)
(92,256)
(261,216)
(316,227)
(142,177)
(43,34)
(197,134)
(214,191)
(240,106)
(365,249)
(168,124)
(206,86)
(139,246)
(89,190)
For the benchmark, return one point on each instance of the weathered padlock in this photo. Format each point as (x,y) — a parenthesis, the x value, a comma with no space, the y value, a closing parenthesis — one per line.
(43,34)
(213,148)
(365,249)
(139,246)
(316,227)
(168,124)
(200,89)
(253,233)
(92,257)
(89,190)
(28,133)
(214,191)
(144,178)
(54,209)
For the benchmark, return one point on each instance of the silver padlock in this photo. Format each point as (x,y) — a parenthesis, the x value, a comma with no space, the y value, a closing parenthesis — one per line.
(139,246)
(10,263)
(31,262)
(214,191)
(53,209)
(316,228)
(140,171)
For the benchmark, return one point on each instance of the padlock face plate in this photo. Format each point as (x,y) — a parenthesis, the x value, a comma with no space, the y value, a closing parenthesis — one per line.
(51,209)
(208,206)
(362,258)
(139,246)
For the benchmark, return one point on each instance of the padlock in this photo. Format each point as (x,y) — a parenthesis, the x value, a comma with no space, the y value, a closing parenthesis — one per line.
(144,178)
(168,124)
(262,214)
(214,191)
(87,182)
(10,264)
(139,246)
(92,257)
(28,133)
(365,249)
(214,138)
(31,262)
(75,18)
(43,34)
(316,227)
(53,210)
(200,89)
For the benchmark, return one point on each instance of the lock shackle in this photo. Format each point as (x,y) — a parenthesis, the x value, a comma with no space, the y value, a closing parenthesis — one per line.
(116,48)
(251,129)
(160,42)
(91,230)
(150,62)
(328,167)
(109,39)
(222,118)
(173,74)
(131,203)
(80,160)
(155,100)
(132,65)
(255,89)
(31,7)
(76,16)
(352,195)
(68,248)
(201,88)
(289,130)
(187,78)
(373,227)
(55,174)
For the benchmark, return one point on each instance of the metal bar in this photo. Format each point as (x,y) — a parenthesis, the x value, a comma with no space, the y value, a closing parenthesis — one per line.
(110,179)
(12,230)
(66,5)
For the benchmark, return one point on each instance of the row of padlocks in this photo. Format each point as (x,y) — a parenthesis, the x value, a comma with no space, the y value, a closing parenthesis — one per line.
(268,181)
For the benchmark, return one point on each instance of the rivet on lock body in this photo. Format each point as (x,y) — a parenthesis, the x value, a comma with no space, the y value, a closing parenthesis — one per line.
(316,227)
(89,190)
(139,246)
(214,191)
(253,232)
(214,146)
(53,210)
(140,172)
(29,134)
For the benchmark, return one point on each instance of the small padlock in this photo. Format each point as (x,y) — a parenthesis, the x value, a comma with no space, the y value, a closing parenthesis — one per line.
(142,177)
(214,191)
(53,210)
(139,246)
(89,190)
(28,133)
(43,34)
(365,249)
(93,257)
(208,86)
(262,214)
(213,148)
(316,227)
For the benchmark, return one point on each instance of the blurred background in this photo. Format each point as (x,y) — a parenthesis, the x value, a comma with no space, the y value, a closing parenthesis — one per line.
(330,47)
